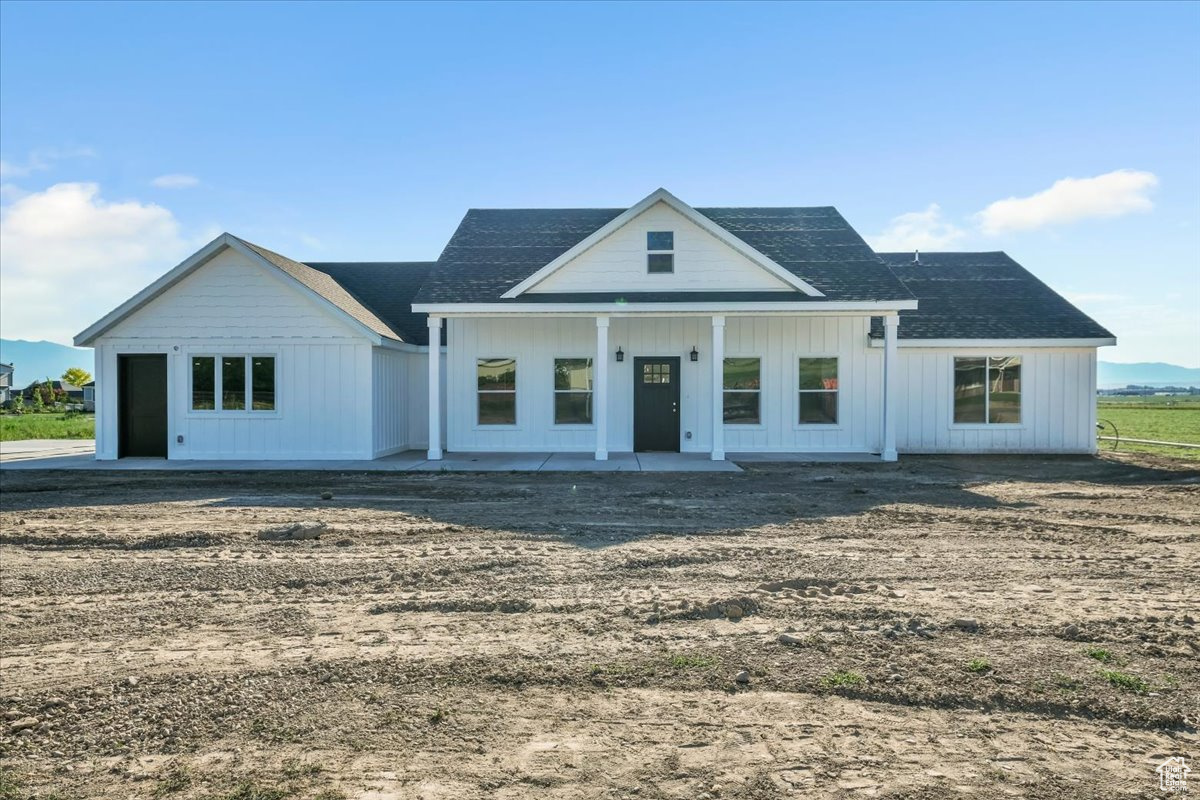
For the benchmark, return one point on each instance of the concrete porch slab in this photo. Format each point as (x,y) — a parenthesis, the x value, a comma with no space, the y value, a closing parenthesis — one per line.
(683,462)
(804,458)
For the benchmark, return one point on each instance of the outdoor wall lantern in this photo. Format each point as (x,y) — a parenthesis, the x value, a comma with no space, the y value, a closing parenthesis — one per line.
(620,354)
(695,355)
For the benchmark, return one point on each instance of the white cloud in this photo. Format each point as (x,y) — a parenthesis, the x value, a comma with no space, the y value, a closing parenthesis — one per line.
(175,180)
(918,230)
(1110,195)
(68,256)
(42,159)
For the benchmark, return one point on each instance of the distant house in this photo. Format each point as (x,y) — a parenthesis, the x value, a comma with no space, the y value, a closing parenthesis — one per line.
(6,377)
(659,327)
(89,396)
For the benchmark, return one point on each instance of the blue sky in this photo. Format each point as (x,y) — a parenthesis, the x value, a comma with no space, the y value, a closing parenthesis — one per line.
(131,134)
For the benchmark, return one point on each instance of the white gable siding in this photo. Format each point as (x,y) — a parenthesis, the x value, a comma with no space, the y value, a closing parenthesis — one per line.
(231,297)
(400,406)
(1058,403)
(702,262)
(234,306)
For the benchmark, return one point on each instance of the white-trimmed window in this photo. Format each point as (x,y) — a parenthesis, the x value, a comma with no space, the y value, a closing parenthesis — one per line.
(660,252)
(987,390)
(572,391)
(233,383)
(742,387)
(818,390)
(497,388)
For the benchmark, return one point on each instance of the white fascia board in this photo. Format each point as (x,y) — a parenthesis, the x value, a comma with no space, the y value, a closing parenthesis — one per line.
(662,195)
(87,337)
(659,309)
(1005,343)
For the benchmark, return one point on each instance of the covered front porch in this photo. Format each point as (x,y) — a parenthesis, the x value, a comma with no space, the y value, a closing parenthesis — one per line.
(624,381)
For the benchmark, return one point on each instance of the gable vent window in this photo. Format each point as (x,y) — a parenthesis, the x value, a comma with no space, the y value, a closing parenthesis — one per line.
(660,252)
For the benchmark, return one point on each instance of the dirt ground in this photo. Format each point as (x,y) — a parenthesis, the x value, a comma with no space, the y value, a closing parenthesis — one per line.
(983,627)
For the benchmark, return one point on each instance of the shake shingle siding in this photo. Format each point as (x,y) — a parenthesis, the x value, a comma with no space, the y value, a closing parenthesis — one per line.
(983,296)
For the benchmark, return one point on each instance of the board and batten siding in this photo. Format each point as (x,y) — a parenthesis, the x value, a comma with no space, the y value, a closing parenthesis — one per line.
(702,261)
(233,306)
(779,341)
(401,400)
(1058,403)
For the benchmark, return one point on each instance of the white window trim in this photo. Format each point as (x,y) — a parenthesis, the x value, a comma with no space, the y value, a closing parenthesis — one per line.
(762,394)
(816,427)
(985,425)
(230,413)
(504,426)
(572,426)
(670,253)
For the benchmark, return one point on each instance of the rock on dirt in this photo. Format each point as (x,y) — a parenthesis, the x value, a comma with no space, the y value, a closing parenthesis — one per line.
(742,677)
(968,624)
(295,531)
(22,724)
(790,639)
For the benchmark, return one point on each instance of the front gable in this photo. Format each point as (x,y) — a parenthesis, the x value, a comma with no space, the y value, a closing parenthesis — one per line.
(232,296)
(701,261)
(706,257)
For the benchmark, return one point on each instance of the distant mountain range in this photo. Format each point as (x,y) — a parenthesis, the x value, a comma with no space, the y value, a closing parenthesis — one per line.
(34,360)
(37,360)
(1145,373)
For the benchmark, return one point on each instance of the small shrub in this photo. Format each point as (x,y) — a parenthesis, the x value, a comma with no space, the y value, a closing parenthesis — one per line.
(978,665)
(1124,680)
(439,715)
(842,679)
(1100,654)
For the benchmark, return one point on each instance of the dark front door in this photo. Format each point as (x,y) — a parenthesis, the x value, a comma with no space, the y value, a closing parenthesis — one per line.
(656,405)
(142,403)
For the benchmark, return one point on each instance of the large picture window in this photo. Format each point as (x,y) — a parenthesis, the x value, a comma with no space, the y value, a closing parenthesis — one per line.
(987,390)
(572,391)
(497,387)
(742,390)
(818,391)
(239,382)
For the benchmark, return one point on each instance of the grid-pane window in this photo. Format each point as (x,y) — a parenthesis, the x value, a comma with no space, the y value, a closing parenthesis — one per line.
(742,389)
(572,391)
(262,383)
(818,391)
(497,387)
(233,383)
(204,383)
(660,251)
(987,390)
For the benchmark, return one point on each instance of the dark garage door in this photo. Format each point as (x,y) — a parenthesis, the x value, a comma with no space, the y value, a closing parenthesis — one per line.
(142,402)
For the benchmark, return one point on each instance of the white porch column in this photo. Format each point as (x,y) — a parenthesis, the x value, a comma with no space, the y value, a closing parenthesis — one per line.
(718,388)
(435,388)
(600,389)
(891,384)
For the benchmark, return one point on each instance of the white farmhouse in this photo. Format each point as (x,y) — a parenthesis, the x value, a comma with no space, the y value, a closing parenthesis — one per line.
(659,327)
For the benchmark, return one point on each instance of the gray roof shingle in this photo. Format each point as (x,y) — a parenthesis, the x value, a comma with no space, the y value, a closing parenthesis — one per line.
(982,296)
(387,288)
(494,249)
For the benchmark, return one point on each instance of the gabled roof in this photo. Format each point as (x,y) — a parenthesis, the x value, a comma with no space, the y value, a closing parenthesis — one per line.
(387,288)
(319,284)
(681,208)
(494,250)
(983,296)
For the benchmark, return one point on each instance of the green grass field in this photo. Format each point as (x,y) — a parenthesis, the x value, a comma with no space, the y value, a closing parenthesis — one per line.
(14,427)
(1166,419)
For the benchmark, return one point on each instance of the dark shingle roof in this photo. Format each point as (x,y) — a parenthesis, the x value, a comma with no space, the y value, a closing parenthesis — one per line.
(982,296)
(494,249)
(387,289)
(328,288)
